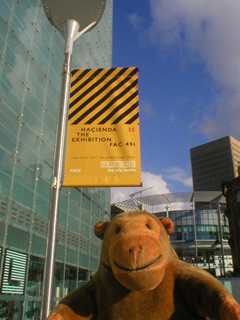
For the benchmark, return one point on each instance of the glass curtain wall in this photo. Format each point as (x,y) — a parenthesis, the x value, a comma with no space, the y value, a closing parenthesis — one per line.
(31,56)
(201,245)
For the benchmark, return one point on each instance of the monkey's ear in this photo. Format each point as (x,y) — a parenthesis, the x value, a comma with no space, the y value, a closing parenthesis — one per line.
(168,225)
(100,229)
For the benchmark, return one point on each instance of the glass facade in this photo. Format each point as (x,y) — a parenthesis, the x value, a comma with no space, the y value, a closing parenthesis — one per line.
(196,238)
(31,56)
(206,225)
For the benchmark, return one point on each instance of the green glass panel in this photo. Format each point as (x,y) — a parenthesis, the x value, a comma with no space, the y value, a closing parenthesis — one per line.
(40,52)
(22,26)
(86,201)
(52,98)
(85,230)
(46,161)
(75,194)
(60,253)
(33,112)
(58,48)
(17,56)
(42,197)
(35,276)
(83,260)
(38,245)
(49,129)
(94,264)
(28,146)
(44,27)
(73,223)
(11,90)
(5,9)
(63,210)
(23,186)
(58,280)
(55,68)
(36,80)
(70,278)
(9,125)
(30,8)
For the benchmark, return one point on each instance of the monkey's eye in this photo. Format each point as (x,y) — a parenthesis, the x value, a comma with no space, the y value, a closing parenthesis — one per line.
(118,229)
(148,226)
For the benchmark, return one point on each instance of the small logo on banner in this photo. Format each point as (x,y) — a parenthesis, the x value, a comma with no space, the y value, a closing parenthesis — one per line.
(118,164)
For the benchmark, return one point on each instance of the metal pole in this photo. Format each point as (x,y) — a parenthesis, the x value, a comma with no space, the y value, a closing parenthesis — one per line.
(167,214)
(221,240)
(71,27)
(195,228)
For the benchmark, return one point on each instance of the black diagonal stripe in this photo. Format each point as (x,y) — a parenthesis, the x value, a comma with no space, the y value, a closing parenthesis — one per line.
(119,107)
(83,105)
(94,86)
(96,94)
(123,115)
(134,118)
(74,71)
(84,73)
(89,79)
(98,103)
(111,103)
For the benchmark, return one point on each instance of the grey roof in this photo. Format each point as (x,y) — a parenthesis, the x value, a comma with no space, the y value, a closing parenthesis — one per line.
(170,198)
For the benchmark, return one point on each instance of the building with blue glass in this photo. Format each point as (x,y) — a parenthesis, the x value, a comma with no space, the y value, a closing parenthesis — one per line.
(31,55)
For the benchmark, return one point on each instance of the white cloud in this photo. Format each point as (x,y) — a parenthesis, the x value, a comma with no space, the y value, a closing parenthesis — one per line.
(149,180)
(179,175)
(135,20)
(146,109)
(207,32)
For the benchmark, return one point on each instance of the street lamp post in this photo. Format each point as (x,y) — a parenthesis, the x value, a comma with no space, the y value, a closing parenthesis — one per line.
(222,268)
(72,18)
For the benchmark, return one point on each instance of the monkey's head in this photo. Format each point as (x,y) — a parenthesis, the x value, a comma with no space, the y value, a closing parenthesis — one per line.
(136,247)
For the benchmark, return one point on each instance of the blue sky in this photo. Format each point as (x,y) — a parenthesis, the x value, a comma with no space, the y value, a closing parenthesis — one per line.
(188,53)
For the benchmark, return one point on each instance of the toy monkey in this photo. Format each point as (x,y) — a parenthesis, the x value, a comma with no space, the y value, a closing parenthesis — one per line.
(140,277)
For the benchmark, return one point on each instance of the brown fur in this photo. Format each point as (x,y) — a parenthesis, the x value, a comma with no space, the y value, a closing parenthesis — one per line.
(140,277)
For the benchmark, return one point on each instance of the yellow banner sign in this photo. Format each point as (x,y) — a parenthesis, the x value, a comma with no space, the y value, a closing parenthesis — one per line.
(103,145)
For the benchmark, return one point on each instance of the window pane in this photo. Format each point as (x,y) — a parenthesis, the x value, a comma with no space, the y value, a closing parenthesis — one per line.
(22,26)
(24,180)
(52,98)
(70,279)
(11,90)
(49,129)
(17,56)
(9,126)
(5,8)
(42,197)
(58,280)
(35,277)
(33,112)
(36,80)
(28,146)
(46,161)
(40,52)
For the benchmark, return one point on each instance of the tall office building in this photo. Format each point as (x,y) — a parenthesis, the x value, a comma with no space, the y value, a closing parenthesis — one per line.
(31,56)
(214,162)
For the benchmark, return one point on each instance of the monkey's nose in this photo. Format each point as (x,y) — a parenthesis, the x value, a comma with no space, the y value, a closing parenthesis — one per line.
(134,254)
(135,250)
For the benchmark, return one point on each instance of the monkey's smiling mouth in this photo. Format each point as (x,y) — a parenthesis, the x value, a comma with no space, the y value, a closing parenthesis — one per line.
(137,269)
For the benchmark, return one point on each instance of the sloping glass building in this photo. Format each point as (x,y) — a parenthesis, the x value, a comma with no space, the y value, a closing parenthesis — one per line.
(31,56)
